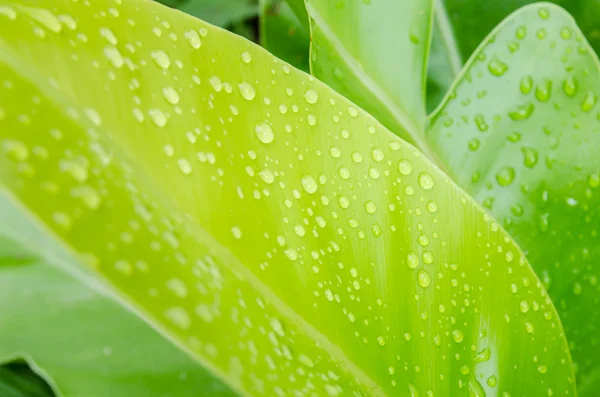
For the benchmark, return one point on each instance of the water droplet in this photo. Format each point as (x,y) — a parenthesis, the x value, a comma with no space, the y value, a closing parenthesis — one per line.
(370,207)
(179,317)
(565,33)
(492,381)
(158,117)
(544,90)
(526,84)
(246,57)
(352,111)
(193,38)
(544,13)
(474,144)
(505,176)
(264,132)
(267,176)
(237,233)
(522,112)
(457,335)
(475,389)
(524,306)
(405,167)
(589,101)
(412,260)
(423,278)
(530,157)
(291,253)
(216,83)
(161,59)
(184,166)
(521,32)
(481,123)
(497,67)
(344,173)
(309,184)
(247,91)
(17,150)
(483,355)
(114,56)
(425,181)
(311,96)
(171,95)
(381,340)
(570,86)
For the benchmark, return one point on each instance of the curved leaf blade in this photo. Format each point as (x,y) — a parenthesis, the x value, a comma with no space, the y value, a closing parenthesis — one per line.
(521,134)
(80,340)
(375,53)
(261,220)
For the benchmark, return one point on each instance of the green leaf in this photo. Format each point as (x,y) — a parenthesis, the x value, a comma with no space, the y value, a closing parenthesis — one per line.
(218,12)
(467,23)
(445,62)
(472,20)
(268,226)
(79,339)
(283,34)
(375,53)
(18,380)
(521,133)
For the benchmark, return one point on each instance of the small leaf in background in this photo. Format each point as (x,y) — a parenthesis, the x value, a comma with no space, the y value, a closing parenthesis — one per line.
(445,61)
(521,134)
(18,380)
(274,230)
(224,13)
(375,53)
(466,24)
(282,34)
(85,343)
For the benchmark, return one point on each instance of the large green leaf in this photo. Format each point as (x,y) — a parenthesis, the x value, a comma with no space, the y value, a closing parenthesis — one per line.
(272,229)
(521,133)
(283,34)
(375,53)
(82,341)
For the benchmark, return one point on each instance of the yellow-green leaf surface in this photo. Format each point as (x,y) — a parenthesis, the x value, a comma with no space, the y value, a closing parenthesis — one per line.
(375,53)
(79,339)
(267,225)
(521,133)
(283,34)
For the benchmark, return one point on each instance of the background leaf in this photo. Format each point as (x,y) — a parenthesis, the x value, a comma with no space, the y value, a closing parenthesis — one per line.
(262,221)
(521,133)
(82,341)
(282,33)
(470,21)
(222,13)
(379,60)
(18,380)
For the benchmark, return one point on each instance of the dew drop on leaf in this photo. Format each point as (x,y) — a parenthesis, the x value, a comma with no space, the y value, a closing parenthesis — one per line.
(264,132)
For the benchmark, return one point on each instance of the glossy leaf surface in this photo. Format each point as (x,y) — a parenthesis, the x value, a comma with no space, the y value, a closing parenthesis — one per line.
(352,52)
(80,340)
(282,33)
(521,134)
(270,227)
